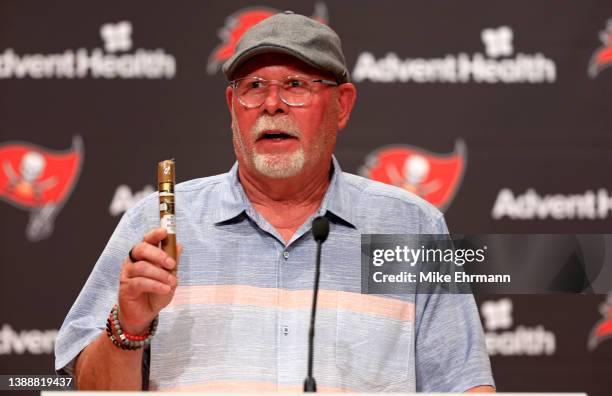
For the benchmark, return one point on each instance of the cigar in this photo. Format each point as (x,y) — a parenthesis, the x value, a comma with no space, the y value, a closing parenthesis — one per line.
(167,219)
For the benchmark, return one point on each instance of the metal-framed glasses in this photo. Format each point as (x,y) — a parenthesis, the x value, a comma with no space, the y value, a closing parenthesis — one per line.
(293,90)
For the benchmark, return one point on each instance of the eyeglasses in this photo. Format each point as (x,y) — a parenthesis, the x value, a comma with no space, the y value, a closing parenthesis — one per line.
(294,90)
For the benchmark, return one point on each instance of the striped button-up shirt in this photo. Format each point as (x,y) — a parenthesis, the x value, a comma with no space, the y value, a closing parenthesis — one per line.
(239,318)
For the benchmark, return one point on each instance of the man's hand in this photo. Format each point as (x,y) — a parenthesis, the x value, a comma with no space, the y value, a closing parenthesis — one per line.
(147,285)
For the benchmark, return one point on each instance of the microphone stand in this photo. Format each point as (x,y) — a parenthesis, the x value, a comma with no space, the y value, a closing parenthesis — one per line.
(320,230)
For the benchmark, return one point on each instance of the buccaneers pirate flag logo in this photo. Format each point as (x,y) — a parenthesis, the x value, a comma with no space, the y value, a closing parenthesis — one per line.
(241,21)
(38,180)
(602,329)
(434,177)
(602,58)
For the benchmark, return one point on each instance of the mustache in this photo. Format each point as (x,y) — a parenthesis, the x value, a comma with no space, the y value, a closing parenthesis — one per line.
(267,123)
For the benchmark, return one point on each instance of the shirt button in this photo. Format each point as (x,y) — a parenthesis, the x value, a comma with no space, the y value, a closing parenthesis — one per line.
(286,254)
(285,330)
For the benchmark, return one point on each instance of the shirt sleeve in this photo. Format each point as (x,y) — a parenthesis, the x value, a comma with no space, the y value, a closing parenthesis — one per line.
(87,318)
(450,353)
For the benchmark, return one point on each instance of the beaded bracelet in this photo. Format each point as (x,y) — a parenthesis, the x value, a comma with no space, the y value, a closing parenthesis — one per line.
(127,341)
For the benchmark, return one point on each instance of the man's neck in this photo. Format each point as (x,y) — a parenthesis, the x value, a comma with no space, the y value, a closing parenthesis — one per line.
(286,203)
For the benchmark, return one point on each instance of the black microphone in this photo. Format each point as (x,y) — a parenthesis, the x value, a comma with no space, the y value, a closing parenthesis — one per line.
(320,231)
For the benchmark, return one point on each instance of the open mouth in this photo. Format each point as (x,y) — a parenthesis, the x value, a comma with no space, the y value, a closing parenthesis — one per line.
(276,136)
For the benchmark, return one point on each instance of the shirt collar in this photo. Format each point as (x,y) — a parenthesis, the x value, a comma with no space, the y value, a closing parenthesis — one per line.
(233,199)
(337,198)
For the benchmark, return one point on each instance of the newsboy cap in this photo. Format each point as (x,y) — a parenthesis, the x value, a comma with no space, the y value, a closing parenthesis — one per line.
(297,35)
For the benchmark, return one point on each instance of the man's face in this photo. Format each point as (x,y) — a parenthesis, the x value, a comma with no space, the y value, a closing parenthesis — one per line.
(277,140)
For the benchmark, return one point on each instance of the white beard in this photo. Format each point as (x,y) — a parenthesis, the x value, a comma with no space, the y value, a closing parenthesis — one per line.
(280,166)
(275,166)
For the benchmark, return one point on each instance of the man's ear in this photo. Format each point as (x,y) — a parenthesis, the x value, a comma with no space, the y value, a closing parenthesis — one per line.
(346,100)
(229,95)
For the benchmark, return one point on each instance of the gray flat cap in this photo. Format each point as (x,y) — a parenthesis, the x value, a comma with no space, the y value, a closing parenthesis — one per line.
(296,35)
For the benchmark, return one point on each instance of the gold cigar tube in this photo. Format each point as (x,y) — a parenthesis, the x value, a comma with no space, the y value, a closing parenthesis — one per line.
(165,183)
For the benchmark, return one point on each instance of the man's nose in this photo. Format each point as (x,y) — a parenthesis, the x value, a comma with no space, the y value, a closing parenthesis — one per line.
(273,103)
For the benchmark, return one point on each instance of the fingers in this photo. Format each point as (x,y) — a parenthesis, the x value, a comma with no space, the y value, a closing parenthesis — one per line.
(144,277)
(143,269)
(152,265)
(144,251)
(137,286)
(155,236)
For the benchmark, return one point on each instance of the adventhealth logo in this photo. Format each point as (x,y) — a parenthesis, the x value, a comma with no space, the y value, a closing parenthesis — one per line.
(117,36)
(502,340)
(498,42)
(497,315)
(36,342)
(116,60)
(124,199)
(531,205)
(498,64)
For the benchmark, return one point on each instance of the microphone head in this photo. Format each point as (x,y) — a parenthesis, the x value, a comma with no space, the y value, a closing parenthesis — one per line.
(320,229)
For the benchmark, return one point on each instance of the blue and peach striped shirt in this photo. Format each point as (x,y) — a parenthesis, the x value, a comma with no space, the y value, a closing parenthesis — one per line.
(239,318)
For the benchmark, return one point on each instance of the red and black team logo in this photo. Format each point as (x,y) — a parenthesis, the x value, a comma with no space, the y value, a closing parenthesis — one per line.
(39,180)
(239,22)
(602,58)
(602,329)
(434,177)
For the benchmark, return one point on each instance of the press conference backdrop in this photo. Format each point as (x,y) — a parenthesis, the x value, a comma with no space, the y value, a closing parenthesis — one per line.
(497,113)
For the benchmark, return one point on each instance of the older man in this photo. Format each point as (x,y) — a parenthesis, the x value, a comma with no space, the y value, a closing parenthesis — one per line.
(237,321)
